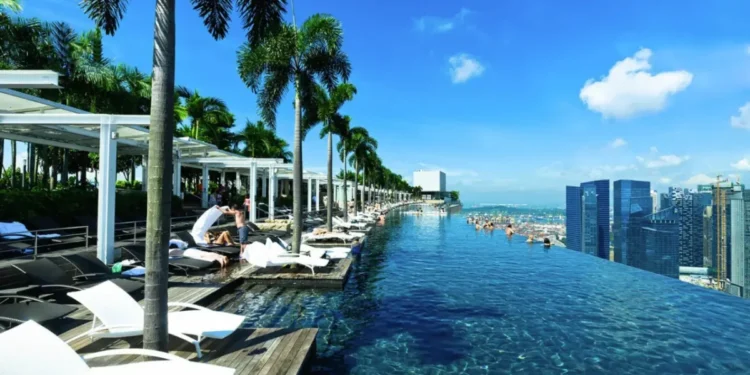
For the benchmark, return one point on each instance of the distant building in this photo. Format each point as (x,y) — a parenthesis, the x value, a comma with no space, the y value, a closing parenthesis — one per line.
(573,218)
(664,201)
(654,201)
(432,183)
(595,218)
(633,201)
(708,237)
(661,237)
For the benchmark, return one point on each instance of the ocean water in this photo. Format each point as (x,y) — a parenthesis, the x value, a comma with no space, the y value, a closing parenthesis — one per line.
(430,295)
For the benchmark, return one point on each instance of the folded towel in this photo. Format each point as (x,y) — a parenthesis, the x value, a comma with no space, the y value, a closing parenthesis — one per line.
(182,245)
(137,271)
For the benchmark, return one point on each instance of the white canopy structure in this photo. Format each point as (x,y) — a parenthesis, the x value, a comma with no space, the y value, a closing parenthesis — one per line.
(28,118)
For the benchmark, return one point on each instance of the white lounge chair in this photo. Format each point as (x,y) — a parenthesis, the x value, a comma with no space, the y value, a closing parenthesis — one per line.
(315,252)
(260,255)
(121,316)
(31,349)
(348,225)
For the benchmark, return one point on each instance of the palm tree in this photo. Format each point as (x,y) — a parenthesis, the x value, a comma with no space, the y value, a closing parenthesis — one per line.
(349,138)
(259,18)
(362,145)
(12,5)
(344,131)
(324,109)
(202,110)
(298,57)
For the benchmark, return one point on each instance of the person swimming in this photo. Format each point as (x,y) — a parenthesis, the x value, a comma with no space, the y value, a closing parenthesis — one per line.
(509,230)
(547,242)
(530,239)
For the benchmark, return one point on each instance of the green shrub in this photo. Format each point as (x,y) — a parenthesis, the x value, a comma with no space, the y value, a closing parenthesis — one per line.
(65,205)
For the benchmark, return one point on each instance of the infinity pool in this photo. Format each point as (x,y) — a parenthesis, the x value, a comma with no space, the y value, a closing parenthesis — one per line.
(430,295)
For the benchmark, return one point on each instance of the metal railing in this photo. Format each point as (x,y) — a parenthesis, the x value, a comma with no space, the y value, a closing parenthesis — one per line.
(19,244)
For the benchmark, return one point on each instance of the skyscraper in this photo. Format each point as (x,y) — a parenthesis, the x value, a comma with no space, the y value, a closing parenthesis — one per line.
(661,237)
(573,218)
(595,218)
(633,200)
(664,201)
(654,201)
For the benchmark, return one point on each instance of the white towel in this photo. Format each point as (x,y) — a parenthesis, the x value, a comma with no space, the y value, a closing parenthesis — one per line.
(182,245)
(137,271)
(204,222)
(19,231)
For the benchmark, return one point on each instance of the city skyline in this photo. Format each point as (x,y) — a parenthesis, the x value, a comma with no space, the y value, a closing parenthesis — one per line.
(452,64)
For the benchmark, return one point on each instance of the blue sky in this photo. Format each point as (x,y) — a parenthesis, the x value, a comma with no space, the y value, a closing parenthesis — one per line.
(513,100)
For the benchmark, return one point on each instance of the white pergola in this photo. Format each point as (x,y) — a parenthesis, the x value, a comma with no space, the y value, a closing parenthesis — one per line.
(27,118)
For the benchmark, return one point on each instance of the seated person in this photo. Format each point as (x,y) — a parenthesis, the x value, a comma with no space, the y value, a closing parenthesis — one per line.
(223,239)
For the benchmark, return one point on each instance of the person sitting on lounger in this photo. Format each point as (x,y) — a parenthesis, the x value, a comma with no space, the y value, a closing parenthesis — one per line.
(239,221)
(223,239)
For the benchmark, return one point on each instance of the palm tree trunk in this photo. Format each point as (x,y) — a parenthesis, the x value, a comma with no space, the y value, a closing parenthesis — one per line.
(329,187)
(356,181)
(2,153)
(64,173)
(297,183)
(13,163)
(346,202)
(364,186)
(132,170)
(32,164)
(160,178)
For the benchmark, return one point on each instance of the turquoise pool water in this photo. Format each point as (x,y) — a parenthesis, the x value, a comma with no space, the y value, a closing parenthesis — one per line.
(430,295)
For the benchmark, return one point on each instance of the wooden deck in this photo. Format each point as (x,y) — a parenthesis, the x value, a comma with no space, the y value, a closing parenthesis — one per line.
(332,276)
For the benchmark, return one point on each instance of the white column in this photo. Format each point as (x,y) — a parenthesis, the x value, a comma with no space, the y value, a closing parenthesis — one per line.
(223,177)
(271,191)
(253,190)
(264,186)
(309,194)
(176,168)
(105,232)
(237,181)
(317,195)
(204,187)
(144,173)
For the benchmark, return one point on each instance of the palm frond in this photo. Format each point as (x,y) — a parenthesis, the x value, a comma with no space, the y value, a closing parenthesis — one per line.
(105,13)
(261,18)
(275,85)
(216,15)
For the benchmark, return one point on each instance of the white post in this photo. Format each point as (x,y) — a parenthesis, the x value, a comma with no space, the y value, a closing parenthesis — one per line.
(105,232)
(317,195)
(176,173)
(264,186)
(204,187)
(253,190)
(237,181)
(223,178)
(309,194)
(271,191)
(144,173)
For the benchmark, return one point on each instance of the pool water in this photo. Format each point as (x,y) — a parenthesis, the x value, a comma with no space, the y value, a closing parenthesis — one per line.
(430,295)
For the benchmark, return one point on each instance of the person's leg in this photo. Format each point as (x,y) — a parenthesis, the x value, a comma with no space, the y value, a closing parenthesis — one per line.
(243,231)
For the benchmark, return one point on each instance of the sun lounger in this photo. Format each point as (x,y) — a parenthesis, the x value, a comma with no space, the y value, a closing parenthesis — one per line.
(260,255)
(224,250)
(315,252)
(25,308)
(120,315)
(45,273)
(36,350)
(343,224)
(91,268)
(138,252)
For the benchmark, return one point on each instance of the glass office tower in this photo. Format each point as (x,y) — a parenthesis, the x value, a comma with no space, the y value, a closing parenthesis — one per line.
(573,218)
(632,202)
(661,237)
(595,218)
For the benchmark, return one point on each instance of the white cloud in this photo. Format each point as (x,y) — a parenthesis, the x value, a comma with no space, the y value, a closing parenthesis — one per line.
(663,161)
(665,180)
(653,149)
(463,67)
(742,165)
(439,24)
(630,89)
(619,142)
(700,179)
(742,120)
